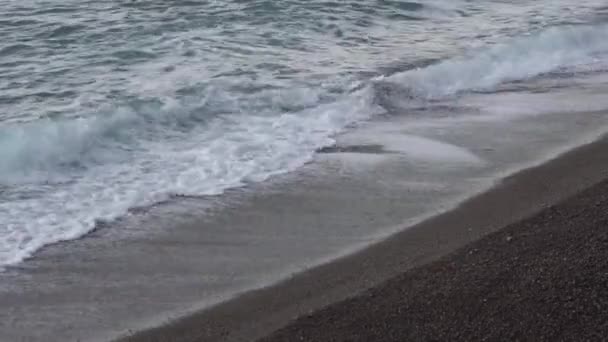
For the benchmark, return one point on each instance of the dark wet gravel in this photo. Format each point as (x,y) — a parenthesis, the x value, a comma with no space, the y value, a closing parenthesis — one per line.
(541,279)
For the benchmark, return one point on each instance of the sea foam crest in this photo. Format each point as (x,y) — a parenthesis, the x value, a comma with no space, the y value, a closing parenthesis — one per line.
(518,59)
(137,161)
(98,166)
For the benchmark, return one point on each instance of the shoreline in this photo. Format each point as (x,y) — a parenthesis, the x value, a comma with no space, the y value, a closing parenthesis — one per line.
(543,278)
(257,313)
(185,257)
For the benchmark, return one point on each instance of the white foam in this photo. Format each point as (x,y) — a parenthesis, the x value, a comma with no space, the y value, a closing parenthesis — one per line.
(230,150)
(392,139)
(519,59)
(69,173)
(509,106)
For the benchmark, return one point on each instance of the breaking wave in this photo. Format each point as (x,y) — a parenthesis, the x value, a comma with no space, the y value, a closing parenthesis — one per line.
(97,166)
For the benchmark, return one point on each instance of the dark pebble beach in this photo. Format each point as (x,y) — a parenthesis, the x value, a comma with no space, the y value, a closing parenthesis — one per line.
(544,278)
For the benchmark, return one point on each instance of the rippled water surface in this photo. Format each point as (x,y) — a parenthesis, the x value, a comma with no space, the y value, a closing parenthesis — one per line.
(111,105)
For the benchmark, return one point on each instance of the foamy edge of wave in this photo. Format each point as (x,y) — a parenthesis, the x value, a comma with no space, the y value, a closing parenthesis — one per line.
(233,148)
(283,144)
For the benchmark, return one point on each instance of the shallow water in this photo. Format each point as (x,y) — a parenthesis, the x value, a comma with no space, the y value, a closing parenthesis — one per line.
(169,125)
(117,105)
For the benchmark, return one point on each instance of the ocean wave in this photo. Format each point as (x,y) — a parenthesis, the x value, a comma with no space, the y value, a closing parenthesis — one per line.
(131,160)
(39,150)
(99,165)
(519,59)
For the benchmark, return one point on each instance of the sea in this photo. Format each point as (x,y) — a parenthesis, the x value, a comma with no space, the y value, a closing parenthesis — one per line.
(156,154)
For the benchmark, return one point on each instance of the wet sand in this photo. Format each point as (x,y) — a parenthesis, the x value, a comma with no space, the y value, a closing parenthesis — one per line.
(367,294)
(169,266)
(544,278)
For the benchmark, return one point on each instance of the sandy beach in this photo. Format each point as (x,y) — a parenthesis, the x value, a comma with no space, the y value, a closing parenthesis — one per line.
(534,276)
